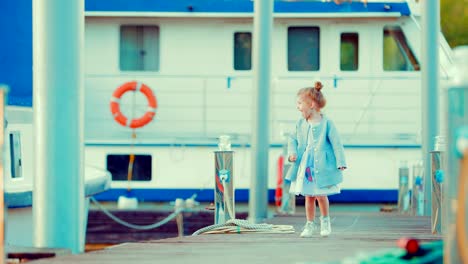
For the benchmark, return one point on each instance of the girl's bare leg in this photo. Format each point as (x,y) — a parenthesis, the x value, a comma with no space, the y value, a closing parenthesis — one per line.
(310,208)
(323,205)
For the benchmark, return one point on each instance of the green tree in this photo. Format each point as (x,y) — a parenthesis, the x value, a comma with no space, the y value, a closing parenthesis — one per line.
(454,21)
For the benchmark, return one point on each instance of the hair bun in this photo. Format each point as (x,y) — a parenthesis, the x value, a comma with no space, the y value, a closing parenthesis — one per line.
(318,86)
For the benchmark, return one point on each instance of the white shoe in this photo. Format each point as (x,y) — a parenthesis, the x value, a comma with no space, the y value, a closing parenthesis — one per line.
(309,229)
(325,226)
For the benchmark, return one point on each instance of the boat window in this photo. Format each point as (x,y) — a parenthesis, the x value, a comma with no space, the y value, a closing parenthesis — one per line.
(15,155)
(139,48)
(118,166)
(349,59)
(397,54)
(242,51)
(303,48)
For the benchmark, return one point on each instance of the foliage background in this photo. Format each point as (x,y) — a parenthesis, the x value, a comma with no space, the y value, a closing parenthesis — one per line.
(454,21)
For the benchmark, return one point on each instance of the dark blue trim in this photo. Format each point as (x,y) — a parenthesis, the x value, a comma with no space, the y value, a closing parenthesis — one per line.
(242,195)
(346,7)
(169,6)
(240,6)
(233,145)
(18,199)
(16,50)
(365,196)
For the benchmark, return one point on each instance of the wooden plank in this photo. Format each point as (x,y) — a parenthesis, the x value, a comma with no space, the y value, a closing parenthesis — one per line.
(353,233)
(102,230)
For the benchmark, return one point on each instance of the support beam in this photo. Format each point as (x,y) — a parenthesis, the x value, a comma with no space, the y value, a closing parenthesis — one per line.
(429,88)
(263,23)
(58,195)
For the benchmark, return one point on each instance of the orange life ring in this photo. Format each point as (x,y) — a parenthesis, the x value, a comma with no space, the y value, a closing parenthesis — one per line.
(137,122)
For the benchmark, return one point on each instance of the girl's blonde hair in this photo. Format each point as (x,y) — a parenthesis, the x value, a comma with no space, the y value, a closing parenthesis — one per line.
(314,94)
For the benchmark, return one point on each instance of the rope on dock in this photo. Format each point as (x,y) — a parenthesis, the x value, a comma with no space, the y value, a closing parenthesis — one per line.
(138,227)
(237,226)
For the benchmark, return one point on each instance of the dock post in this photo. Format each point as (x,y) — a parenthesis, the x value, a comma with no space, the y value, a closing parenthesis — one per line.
(288,199)
(454,213)
(258,195)
(58,109)
(403,188)
(180,204)
(437,177)
(224,187)
(417,194)
(430,21)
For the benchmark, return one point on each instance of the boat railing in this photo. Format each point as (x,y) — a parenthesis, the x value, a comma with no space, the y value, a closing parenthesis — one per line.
(212,93)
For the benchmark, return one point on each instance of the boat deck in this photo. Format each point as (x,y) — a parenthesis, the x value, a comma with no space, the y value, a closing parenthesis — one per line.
(356,232)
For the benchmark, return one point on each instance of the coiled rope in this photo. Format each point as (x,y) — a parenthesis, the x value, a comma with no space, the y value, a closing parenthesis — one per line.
(138,227)
(237,226)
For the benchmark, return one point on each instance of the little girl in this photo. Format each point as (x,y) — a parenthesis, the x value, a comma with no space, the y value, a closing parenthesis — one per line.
(318,156)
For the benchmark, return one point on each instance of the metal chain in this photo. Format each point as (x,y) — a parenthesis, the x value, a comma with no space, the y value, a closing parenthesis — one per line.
(138,227)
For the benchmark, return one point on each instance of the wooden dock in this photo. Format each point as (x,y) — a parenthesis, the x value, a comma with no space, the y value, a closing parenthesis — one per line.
(354,232)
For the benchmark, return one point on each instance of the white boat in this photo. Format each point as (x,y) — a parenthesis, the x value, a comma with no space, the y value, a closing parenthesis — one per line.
(19,180)
(196,56)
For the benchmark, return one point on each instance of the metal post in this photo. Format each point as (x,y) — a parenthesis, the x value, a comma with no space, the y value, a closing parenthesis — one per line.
(437,176)
(417,194)
(3,90)
(58,195)
(224,187)
(457,143)
(403,188)
(288,200)
(458,116)
(180,204)
(429,85)
(258,196)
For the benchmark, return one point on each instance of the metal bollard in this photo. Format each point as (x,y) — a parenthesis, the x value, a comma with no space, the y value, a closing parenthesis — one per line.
(179,204)
(437,177)
(403,188)
(417,194)
(288,200)
(224,187)
(457,134)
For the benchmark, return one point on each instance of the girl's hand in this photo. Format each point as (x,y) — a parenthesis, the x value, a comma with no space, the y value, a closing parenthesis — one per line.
(292,158)
(342,168)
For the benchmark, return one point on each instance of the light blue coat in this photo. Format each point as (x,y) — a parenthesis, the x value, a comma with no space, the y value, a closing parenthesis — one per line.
(328,152)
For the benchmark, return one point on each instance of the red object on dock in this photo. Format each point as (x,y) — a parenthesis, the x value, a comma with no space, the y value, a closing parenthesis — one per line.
(279,182)
(411,245)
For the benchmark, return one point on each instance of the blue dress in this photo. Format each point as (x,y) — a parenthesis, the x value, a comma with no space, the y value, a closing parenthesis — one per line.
(306,183)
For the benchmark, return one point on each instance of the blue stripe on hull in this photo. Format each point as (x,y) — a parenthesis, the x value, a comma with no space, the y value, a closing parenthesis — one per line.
(242,195)
(240,6)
